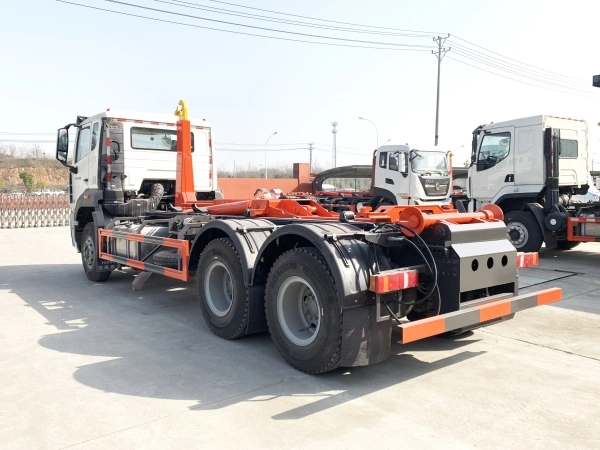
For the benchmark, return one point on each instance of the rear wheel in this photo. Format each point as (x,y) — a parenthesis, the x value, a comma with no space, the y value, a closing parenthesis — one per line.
(302,311)
(89,255)
(222,293)
(523,231)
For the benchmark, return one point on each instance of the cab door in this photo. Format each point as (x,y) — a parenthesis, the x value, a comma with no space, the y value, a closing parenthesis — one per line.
(494,170)
(80,178)
(94,155)
(80,175)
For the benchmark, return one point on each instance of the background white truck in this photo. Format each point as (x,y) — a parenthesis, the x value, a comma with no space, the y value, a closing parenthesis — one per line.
(400,175)
(532,168)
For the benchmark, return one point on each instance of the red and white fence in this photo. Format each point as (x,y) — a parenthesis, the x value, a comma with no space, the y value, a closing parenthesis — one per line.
(25,211)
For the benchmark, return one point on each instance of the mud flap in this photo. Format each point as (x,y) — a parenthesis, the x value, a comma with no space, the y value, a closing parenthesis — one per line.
(364,340)
(257,321)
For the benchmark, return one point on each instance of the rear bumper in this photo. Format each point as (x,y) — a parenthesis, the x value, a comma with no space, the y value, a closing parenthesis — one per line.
(478,315)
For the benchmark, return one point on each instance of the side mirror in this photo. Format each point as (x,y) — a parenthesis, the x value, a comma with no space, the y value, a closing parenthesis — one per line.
(404,163)
(62,147)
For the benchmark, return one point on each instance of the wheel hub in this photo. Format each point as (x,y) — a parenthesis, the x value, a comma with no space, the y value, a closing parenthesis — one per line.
(517,234)
(218,289)
(298,311)
(89,253)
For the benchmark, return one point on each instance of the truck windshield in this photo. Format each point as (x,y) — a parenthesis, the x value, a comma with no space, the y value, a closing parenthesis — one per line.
(155,139)
(429,161)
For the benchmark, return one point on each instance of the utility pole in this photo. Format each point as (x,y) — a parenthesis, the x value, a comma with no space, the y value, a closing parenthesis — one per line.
(310,150)
(439,55)
(334,132)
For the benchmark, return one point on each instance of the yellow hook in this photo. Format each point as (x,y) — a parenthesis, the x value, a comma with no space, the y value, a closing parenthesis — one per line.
(182,111)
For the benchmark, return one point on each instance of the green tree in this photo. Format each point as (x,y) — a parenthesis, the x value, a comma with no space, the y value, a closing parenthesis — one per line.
(27,179)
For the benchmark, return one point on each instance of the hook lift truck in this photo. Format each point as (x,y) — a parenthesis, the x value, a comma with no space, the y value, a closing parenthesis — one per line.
(329,287)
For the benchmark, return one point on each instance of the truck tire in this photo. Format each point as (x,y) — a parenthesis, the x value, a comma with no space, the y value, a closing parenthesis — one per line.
(222,294)
(566,245)
(302,311)
(89,255)
(523,231)
(166,258)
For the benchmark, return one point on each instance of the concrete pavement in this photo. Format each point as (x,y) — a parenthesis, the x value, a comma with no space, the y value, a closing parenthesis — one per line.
(95,365)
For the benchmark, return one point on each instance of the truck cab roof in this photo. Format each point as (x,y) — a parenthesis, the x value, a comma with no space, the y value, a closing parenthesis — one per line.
(143,117)
(530,121)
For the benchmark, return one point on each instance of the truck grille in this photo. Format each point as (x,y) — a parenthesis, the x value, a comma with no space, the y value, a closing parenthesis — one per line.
(437,186)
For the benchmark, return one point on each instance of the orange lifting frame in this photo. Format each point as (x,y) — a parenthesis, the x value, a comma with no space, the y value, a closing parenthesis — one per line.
(182,246)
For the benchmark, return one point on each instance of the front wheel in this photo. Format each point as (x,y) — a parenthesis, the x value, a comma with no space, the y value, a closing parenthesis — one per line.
(89,255)
(302,311)
(523,231)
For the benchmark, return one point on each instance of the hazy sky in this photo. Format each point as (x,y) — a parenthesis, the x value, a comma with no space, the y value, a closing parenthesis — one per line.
(60,60)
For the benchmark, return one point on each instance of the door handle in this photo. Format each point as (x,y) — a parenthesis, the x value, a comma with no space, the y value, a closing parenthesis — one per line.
(85,179)
(389,181)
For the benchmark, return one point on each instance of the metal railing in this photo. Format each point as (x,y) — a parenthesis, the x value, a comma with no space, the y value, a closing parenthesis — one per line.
(26,211)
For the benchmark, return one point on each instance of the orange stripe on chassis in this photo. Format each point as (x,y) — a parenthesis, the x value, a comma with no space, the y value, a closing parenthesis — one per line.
(549,296)
(177,274)
(494,310)
(135,264)
(422,329)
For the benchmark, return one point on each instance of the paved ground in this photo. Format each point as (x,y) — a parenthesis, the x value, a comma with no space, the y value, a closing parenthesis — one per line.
(89,365)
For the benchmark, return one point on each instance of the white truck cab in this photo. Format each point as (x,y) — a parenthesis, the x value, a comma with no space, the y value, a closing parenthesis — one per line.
(121,158)
(535,169)
(407,176)
(508,160)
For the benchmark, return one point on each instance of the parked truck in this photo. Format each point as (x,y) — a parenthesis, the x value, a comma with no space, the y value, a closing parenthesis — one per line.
(400,175)
(328,286)
(534,169)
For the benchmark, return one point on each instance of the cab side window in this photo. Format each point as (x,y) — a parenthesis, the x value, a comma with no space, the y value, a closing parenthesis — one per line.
(83,143)
(394,161)
(383,160)
(95,135)
(494,148)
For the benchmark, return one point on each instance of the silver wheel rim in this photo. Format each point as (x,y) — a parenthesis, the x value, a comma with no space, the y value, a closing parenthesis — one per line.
(521,230)
(218,289)
(298,311)
(88,253)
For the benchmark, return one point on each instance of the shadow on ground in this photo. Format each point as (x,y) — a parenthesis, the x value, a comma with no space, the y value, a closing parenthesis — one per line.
(576,271)
(154,343)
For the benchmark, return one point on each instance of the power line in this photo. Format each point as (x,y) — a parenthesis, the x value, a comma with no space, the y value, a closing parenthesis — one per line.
(544,72)
(525,73)
(214,10)
(190,16)
(514,79)
(235,32)
(520,62)
(322,20)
